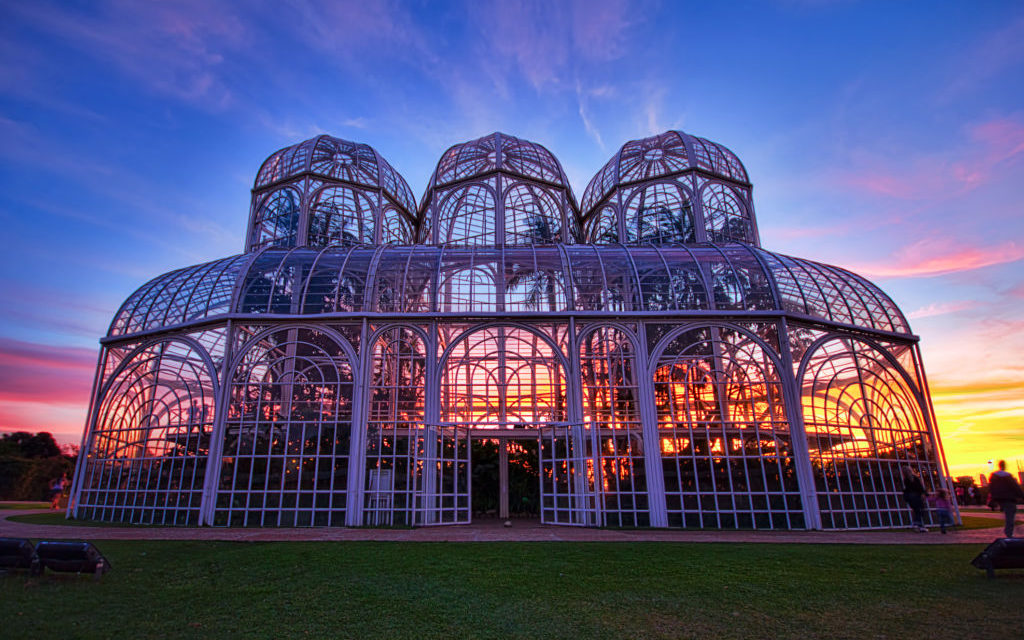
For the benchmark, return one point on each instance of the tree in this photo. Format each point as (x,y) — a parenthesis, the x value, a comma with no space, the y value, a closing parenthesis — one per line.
(28,445)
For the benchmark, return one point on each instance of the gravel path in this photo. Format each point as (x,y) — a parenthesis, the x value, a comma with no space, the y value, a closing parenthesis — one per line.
(490,531)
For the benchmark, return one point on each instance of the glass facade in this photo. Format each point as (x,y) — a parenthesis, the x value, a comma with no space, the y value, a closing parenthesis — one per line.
(640,360)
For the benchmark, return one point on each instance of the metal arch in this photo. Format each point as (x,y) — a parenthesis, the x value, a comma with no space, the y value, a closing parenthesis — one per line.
(768,275)
(344,265)
(639,301)
(277,276)
(825,277)
(456,190)
(236,291)
(350,353)
(529,328)
(836,275)
(922,406)
(191,294)
(668,270)
(659,349)
(735,275)
(782,266)
(828,337)
(639,189)
(312,269)
(391,326)
(104,387)
(809,276)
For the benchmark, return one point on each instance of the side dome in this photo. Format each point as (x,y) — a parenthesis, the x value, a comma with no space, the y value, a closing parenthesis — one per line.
(326,191)
(498,190)
(670,188)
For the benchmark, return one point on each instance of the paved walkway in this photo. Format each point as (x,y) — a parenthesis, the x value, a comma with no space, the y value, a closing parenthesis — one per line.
(491,531)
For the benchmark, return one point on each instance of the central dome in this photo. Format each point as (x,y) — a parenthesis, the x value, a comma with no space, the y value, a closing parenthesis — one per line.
(498,152)
(498,190)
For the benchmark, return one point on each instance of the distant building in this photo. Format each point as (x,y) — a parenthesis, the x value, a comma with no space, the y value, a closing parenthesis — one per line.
(497,349)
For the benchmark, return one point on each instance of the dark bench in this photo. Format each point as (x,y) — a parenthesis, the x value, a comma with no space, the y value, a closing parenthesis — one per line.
(1004,553)
(70,557)
(16,553)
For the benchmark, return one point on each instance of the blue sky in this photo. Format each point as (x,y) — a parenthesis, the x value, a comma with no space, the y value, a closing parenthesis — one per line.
(883,137)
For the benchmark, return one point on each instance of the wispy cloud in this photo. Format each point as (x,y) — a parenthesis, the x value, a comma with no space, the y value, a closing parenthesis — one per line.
(941,308)
(985,149)
(547,43)
(938,256)
(582,101)
(32,372)
(176,49)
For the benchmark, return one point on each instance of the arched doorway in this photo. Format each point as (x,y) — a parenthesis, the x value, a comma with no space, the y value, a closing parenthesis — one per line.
(507,386)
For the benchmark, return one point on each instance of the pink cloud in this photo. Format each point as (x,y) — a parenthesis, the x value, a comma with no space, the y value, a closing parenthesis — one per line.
(941,308)
(32,372)
(933,257)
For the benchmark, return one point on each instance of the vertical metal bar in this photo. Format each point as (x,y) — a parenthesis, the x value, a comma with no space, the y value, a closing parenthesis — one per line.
(791,389)
(362,373)
(211,481)
(652,441)
(88,435)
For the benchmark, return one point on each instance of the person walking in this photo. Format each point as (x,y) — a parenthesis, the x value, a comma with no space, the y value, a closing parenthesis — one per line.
(1004,489)
(943,508)
(913,493)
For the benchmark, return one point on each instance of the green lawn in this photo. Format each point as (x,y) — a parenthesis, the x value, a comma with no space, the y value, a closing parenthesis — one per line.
(24,505)
(518,590)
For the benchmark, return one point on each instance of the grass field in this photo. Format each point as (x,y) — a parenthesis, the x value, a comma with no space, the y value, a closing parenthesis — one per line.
(518,590)
(24,505)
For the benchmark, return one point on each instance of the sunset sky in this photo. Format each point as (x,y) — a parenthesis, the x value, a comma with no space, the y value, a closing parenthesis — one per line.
(887,138)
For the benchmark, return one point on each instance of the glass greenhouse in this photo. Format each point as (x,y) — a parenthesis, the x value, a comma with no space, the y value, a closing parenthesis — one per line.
(500,350)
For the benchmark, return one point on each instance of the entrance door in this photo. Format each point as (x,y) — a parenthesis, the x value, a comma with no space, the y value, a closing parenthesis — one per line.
(506,476)
(443,491)
(567,491)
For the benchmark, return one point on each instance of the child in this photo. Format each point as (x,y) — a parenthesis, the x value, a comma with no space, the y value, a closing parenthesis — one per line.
(943,508)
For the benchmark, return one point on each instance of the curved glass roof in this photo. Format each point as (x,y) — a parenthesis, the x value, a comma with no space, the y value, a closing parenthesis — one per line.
(339,160)
(521,279)
(666,154)
(497,151)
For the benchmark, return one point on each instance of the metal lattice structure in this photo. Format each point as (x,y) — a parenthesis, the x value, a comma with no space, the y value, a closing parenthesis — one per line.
(653,364)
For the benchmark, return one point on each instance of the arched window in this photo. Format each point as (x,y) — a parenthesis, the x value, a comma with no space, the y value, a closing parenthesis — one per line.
(277,220)
(532,216)
(660,213)
(467,217)
(725,442)
(611,408)
(151,439)
(499,377)
(342,216)
(863,422)
(605,227)
(286,441)
(725,217)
